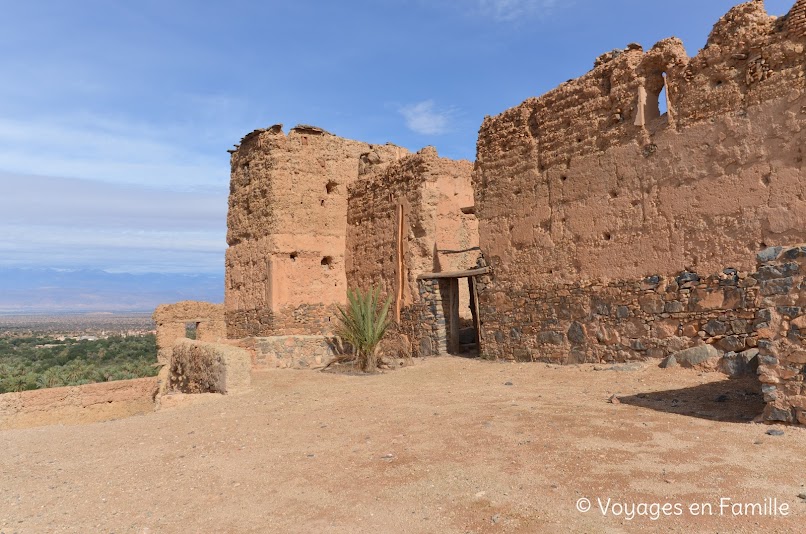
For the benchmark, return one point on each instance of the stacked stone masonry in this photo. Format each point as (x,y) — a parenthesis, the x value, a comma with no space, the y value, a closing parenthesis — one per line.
(782,333)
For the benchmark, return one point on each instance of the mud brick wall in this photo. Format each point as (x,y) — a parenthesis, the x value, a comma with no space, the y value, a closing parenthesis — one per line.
(172,320)
(782,343)
(588,190)
(406,219)
(286,228)
(78,404)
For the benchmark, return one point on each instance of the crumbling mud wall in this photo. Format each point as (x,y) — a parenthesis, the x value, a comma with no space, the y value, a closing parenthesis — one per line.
(286,229)
(78,404)
(172,321)
(410,218)
(406,219)
(588,192)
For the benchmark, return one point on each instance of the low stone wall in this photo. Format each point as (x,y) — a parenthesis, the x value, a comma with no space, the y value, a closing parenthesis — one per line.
(782,342)
(201,367)
(296,352)
(78,404)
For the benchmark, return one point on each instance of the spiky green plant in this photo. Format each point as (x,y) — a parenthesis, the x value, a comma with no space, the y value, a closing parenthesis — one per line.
(363,323)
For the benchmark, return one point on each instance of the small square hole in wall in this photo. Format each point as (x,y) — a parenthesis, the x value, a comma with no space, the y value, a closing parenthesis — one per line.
(293,256)
(191,329)
(332,187)
(327,262)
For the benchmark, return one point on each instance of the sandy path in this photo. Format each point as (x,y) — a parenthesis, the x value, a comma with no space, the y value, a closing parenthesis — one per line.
(444,446)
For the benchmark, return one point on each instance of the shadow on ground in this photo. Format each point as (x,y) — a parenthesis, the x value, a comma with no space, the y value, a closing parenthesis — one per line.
(737,400)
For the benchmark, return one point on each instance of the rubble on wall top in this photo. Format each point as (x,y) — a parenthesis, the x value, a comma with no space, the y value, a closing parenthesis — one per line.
(308,129)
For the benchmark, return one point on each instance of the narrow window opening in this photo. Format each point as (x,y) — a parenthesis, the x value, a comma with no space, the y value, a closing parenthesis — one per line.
(332,187)
(663,98)
(191,329)
(293,256)
(327,262)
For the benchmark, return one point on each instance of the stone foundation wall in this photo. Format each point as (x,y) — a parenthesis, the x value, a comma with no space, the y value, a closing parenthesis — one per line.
(620,321)
(305,319)
(295,352)
(78,404)
(782,342)
(423,323)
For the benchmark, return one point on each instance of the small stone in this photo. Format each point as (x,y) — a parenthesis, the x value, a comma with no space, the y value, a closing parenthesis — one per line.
(775,432)
(802,496)
(495,519)
(614,399)
(507,383)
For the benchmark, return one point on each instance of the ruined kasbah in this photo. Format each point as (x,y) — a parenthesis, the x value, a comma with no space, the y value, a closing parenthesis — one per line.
(651,210)
(598,224)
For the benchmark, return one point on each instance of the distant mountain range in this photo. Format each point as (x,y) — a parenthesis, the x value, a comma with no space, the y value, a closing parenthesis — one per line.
(89,290)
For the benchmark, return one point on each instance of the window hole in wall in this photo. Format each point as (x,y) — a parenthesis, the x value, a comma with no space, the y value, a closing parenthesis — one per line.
(766,179)
(655,103)
(322,202)
(327,262)
(191,330)
(332,187)
(614,194)
(293,256)
(563,178)
(607,236)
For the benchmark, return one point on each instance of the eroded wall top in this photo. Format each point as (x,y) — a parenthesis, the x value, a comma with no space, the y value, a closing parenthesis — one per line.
(590,181)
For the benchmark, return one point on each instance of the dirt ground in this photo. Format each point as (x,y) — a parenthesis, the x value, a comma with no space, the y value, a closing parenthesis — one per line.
(447,445)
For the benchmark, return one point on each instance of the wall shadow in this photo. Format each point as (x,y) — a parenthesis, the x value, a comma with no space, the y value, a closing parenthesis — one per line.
(737,400)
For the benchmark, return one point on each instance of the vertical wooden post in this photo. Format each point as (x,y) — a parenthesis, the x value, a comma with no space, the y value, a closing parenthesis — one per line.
(453,316)
(400,275)
(474,309)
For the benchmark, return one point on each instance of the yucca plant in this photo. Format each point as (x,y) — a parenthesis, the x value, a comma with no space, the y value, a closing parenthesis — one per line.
(363,323)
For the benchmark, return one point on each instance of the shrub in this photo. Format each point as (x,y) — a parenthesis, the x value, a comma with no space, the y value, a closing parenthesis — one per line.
(363,323)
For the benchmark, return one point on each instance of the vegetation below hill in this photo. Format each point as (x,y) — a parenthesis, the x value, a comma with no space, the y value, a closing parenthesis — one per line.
(43,362)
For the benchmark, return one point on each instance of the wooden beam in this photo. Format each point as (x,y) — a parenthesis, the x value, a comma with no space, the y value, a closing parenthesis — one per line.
(454,274)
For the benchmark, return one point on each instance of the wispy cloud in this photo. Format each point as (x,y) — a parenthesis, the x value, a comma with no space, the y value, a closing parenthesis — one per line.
(103,148)
(424,118)
(511,10)
(60,222)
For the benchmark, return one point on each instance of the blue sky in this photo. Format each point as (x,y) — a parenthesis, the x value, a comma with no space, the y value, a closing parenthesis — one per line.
(115,117)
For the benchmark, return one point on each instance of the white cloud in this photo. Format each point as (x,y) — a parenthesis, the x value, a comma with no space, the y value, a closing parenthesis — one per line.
(423,118)
(112,149)
(62,222)
(511,10)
